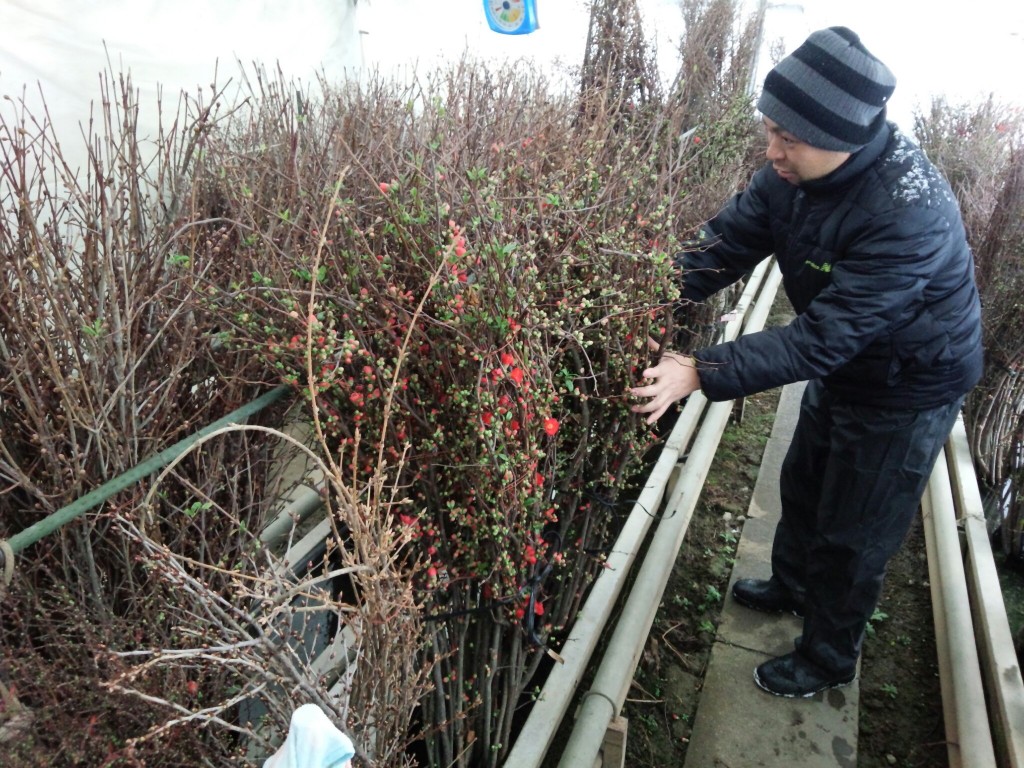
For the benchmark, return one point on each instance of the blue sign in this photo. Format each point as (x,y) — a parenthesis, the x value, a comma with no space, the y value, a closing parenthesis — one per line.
(511,17)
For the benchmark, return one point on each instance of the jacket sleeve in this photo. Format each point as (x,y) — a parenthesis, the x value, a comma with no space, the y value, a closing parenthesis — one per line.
(880,278)
(731,244)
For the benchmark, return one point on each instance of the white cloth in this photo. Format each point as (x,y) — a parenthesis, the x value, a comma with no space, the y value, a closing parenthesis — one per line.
(313,741)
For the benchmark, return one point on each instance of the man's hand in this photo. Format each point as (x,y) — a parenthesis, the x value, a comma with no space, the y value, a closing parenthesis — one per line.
(674,377)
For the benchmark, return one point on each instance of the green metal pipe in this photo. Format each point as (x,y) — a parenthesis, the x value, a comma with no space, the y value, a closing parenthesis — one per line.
(97,496)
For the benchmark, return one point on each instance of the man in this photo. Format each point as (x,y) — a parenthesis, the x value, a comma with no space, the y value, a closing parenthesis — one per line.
(888,335)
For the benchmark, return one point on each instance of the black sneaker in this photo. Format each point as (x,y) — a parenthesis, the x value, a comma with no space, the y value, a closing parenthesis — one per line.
(767,595)
(797,677)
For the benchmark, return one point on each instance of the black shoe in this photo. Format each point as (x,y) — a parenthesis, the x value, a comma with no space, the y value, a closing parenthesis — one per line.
(767,595)
(797,677)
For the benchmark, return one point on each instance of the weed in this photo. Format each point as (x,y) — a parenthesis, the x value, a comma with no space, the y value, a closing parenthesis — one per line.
(876,617)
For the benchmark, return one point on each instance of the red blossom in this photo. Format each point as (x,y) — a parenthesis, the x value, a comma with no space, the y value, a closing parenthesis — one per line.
(551,426)
(385,187)
(516,374)
(507,358)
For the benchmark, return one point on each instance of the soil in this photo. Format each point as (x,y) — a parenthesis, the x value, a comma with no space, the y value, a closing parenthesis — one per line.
(901,720)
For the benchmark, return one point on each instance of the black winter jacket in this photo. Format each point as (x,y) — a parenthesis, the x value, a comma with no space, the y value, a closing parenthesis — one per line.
(876,264)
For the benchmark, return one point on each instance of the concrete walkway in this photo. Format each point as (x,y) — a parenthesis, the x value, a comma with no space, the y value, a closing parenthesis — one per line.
(738,725)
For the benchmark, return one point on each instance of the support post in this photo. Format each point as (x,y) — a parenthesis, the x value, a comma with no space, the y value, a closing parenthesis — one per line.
(613,748)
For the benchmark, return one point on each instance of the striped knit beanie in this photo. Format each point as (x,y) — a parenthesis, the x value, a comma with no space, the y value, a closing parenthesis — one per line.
(830,92)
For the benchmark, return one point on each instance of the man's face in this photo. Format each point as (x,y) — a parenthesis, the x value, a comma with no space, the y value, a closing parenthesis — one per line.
(797,161)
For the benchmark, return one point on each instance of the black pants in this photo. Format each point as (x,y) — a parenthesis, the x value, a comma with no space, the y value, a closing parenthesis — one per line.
(851,484)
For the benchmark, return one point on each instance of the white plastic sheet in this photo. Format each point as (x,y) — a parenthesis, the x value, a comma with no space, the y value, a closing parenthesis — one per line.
(313,742)
(55,52)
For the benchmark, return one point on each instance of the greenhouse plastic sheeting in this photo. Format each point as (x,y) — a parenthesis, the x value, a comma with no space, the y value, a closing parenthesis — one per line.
(62,47)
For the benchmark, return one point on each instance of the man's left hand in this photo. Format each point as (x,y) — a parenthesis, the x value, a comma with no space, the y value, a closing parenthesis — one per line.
(674,377)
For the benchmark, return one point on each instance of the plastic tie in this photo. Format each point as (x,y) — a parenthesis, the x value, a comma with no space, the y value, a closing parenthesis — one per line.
(7,561)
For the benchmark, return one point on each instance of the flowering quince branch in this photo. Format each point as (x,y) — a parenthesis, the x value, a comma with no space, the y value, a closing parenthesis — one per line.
(460,307)
(469,340)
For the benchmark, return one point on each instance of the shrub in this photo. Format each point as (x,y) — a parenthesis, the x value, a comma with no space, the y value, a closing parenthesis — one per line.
(465,308)
(462,291)
(457,276)
(103,362)
(980,149)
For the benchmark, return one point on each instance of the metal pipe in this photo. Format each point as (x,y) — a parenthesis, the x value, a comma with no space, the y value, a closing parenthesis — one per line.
(97,496)
(302,502)
(941,634)
(534,740)
(535,737)
(615,674)
(611,683)
(972,724)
